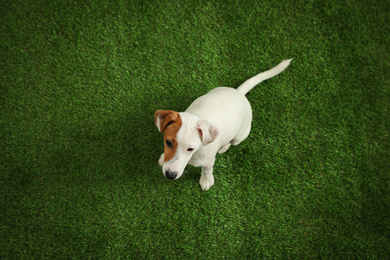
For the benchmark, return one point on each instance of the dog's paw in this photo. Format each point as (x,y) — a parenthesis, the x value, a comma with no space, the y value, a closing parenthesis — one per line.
(224,148)
(161,160)
(206,183)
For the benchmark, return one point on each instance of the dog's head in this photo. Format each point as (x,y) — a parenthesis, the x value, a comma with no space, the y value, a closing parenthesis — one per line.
(184,134)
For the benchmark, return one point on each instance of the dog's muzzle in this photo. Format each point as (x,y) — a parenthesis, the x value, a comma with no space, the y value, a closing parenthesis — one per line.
(170,174)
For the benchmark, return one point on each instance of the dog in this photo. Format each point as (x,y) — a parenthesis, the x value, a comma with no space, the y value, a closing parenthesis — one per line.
(209,126)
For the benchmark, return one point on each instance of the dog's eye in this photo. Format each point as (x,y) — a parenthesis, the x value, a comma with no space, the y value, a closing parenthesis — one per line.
(190,149)
(169,143)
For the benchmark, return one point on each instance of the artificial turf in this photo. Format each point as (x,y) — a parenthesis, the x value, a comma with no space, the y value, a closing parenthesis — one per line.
(80,81)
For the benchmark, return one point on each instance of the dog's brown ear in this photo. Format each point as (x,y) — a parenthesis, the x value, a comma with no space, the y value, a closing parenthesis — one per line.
(164,117)
(207,131)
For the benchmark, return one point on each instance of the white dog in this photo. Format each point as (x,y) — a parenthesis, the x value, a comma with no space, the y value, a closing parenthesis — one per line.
(209,126)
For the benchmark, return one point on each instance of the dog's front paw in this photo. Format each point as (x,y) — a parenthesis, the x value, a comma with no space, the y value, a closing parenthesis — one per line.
(206,183)
(161,160)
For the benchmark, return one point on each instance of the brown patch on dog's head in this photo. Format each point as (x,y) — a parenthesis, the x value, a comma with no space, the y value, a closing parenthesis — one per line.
(169,122)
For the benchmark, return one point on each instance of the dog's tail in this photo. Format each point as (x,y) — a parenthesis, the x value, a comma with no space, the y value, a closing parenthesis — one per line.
(252,82)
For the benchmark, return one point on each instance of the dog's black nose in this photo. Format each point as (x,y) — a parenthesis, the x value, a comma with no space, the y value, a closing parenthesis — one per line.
(170,174)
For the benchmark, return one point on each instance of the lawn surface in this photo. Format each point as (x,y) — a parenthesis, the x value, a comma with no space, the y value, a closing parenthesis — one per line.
(80,81)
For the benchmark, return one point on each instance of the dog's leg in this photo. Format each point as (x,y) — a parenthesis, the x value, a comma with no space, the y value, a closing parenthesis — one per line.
(206,179)
(161,160)
(224,148)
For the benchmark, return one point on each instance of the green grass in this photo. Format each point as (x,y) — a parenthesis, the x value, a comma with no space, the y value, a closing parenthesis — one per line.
(80,82)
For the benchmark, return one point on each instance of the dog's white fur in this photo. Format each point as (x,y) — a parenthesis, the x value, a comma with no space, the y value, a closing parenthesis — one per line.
(211,124)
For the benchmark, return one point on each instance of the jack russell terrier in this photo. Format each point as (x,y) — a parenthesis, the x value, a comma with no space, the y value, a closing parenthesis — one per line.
(209,126)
